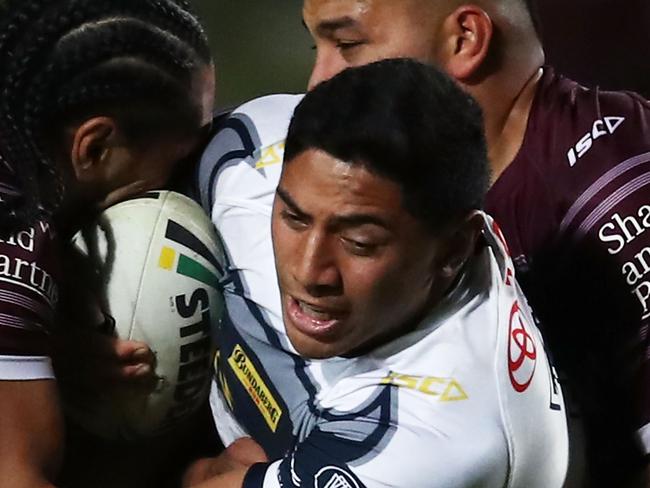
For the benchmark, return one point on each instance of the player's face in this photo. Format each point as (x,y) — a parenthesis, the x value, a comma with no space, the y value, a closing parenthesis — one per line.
(354,268)
(137,168)
(356,32)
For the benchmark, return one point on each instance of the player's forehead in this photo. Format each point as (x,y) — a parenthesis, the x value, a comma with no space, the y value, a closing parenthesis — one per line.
(332,8)
(324,13)
(320,184)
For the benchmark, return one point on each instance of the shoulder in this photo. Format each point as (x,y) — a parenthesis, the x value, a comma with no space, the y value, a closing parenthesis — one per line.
(585,129)
(252,133)
(577,140)
(259,122)
(379,428)
(270,108)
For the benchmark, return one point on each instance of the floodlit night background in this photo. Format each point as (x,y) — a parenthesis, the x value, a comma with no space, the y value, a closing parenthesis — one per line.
(259,46)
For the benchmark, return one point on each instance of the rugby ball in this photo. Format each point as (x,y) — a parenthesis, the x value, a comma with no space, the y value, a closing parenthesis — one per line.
(160,266)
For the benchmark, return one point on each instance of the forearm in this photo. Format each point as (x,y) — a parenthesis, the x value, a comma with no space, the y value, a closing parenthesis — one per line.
(227,470)
(22,477)
(31,434)
(231,479)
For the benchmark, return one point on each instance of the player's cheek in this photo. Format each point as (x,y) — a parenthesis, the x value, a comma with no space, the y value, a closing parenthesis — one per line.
(370,291)
(388,288)
(285,244)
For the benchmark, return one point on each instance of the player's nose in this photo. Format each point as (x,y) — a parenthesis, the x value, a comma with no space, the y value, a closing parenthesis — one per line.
(317,269)
(328,63)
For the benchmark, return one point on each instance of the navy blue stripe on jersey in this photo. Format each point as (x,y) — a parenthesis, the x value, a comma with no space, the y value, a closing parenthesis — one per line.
(250,391)
(380,412)
(248,144)
(231,335)
(255,476)
(315,466)
(300,368)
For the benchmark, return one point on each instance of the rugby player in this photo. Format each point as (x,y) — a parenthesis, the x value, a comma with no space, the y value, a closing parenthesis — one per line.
(398,350)
(570,173)
(99,101)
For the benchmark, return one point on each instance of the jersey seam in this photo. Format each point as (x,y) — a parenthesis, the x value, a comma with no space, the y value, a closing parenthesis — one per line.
(142,276)
(502,414)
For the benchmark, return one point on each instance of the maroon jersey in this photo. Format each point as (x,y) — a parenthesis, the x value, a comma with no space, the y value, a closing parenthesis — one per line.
(28,296)
(574,206)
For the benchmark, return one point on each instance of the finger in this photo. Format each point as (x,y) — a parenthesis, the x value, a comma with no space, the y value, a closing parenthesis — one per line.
(141,376)
(133,352)
(246,451)
(110,348)
(134,371)
(132,361)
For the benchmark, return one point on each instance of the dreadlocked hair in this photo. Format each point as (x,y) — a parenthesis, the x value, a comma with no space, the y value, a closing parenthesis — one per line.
(62,60)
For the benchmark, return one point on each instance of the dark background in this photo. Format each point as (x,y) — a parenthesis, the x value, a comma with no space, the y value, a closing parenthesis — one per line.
(261,47)
(604,42)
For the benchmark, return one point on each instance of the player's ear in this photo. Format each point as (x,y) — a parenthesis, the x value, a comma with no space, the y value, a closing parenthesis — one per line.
(91,147)
(466,33)
(459,245)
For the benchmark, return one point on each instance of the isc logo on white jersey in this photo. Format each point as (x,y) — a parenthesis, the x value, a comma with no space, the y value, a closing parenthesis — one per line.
(602,127)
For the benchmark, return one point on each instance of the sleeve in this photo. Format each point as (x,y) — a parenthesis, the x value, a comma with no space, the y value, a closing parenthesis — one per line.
(602,278)
(28,296)
(253,135)
(228,428)
(617,248)
(341,454)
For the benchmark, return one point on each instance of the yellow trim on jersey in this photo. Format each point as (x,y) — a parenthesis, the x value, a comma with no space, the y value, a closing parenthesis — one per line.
(270,156)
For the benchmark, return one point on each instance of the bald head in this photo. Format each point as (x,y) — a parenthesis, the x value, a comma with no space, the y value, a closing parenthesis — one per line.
(522,13)
(469,39)
(490,47)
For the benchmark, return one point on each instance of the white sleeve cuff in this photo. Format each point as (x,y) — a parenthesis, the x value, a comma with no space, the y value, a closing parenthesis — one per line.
(643,438)
(227,426)
(24,368)
(271,478)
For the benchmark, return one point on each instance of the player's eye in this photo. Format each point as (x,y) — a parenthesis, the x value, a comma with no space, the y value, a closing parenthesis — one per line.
(346,45)
(292,219)
(359,248)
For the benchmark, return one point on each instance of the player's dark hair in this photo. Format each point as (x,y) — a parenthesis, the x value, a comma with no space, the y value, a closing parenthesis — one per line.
(407,122)
(63,60)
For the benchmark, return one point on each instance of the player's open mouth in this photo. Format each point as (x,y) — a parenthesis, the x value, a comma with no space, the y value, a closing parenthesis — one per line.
(312,319)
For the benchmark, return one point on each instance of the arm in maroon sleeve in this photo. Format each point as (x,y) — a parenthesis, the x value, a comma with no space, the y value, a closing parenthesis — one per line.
(31,439)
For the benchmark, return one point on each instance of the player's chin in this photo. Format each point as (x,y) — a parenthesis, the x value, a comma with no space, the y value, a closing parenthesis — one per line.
(315,348)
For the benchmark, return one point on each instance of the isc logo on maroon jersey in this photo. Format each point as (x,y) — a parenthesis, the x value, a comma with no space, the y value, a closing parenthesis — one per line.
(602,127)
(522,352)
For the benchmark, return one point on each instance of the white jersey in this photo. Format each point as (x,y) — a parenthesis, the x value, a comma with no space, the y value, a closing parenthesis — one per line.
(467,399)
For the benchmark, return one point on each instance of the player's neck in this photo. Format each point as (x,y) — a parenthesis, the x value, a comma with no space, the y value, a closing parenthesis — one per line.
(506,120)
